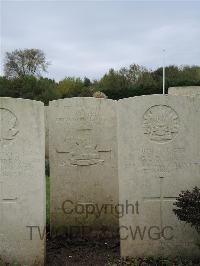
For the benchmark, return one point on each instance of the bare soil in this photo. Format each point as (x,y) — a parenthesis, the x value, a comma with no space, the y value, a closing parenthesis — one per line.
(62,251)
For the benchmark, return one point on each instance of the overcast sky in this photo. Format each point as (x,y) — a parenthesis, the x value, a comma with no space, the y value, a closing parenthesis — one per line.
(87,38)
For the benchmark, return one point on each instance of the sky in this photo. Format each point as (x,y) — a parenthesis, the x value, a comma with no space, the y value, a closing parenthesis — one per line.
(87,38)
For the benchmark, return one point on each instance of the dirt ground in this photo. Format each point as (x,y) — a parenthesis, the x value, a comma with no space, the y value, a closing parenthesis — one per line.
(61,251)
(65,252)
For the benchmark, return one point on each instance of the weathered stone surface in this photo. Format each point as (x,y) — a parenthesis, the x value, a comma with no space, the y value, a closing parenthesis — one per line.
(83,162)
(159,156)
(22,183)
(185,91)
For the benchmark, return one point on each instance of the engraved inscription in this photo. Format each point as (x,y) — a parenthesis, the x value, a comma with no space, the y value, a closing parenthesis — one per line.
(82,116)
(8,126)
(160,123)
(163,160)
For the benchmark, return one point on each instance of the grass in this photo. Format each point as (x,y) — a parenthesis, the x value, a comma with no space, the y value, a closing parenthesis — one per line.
(47,201)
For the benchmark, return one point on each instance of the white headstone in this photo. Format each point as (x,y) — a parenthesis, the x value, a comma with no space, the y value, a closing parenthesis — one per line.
(185,91)
(83,163)
(159,156)
(22,183)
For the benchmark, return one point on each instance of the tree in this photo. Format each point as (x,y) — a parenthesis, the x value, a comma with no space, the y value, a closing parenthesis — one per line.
(113,84)
(68,86)
(87,82)
(188,207)
(145,85)
(74,87)
(125,82)
(20,63)
(133,72)
(29,87)
(178,76)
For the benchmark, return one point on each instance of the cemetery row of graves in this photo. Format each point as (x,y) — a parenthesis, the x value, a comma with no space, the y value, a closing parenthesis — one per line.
(116,167)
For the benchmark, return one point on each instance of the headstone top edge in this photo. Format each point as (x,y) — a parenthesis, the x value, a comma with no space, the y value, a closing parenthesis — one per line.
(22,100)
(158,96)
(80,98)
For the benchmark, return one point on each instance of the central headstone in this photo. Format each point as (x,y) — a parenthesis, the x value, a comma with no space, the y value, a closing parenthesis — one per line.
(159,156)
(83,164)
(22,182)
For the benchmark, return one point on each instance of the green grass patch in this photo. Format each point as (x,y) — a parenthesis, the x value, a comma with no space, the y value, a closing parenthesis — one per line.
(47,200)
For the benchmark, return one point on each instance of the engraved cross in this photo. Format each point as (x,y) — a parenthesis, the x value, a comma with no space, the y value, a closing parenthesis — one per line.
(161,198)
(4,201)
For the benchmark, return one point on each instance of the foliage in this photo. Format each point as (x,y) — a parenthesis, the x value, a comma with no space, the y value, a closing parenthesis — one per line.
(137,80)
(114,84)
(20,63)
(29,87)
(133,72)
(179,76)
(188,207)
(73,87)
(22,80)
